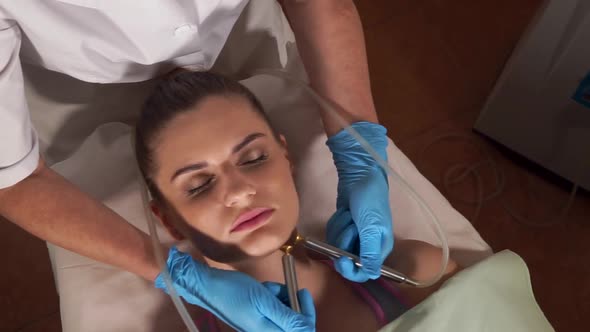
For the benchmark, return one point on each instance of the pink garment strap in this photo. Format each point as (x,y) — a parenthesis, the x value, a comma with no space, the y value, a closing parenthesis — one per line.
(213,324)
(371,302)
(367,297)
(207,323)
(394,291)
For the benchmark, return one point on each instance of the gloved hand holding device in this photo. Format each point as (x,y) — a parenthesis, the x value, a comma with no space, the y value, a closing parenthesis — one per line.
(362,223)
(236,298)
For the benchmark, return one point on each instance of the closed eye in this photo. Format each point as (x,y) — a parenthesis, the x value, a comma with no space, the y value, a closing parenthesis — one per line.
(254,161)
(208,184)
(197,190)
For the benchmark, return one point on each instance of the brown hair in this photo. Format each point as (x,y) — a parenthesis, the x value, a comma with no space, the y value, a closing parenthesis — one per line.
(180,92)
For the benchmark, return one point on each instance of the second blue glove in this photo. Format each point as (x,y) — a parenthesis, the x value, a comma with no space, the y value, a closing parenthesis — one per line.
(362,223)
(236,298)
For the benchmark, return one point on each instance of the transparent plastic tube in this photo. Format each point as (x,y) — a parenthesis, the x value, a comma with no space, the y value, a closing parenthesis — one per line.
(157,246)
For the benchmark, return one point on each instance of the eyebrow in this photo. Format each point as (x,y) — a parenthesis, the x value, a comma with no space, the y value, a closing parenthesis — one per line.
(200,165)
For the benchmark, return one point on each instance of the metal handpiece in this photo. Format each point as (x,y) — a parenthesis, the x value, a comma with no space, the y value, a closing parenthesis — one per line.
(334,252)
(291,280)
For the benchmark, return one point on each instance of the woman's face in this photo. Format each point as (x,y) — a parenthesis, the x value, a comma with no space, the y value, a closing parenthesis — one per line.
(223,173)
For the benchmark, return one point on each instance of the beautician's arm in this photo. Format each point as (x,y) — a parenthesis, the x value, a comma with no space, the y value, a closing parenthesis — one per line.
(330,41)
(329,37)
(42,202)
(48,206)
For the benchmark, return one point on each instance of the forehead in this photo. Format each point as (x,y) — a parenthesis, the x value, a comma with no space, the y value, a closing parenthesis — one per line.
(219,112)
(211,128)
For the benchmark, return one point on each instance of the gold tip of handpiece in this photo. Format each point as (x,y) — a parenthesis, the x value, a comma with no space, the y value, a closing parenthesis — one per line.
(287,248)
(298,238)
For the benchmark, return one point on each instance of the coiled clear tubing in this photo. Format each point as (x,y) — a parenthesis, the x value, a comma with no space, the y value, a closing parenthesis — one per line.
(399,181)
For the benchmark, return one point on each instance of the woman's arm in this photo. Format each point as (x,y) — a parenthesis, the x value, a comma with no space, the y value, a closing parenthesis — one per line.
(420,261)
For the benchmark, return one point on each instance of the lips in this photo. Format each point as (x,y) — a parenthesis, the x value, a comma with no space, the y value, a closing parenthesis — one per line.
(251,219)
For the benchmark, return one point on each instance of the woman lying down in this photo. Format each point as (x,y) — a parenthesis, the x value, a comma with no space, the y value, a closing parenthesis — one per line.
(221,177)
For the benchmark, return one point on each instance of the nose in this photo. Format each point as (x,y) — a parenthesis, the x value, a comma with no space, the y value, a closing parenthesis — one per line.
(239,192)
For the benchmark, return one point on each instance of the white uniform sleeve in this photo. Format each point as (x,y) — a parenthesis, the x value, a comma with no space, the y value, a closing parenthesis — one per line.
(19,146)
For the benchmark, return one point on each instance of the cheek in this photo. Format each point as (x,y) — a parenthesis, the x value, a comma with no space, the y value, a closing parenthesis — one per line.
(276,183)
(200,218)
(206,233)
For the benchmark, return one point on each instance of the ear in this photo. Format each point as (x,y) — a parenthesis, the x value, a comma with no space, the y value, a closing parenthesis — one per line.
(165,221)
(283,142)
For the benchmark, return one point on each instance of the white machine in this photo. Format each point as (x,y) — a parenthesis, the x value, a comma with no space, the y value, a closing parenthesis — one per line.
(540,106)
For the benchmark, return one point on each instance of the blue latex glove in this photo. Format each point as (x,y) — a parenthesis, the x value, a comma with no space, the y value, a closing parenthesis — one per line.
(234,297)
(362,223)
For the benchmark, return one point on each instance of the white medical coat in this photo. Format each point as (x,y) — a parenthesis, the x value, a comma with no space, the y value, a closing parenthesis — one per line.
(101,42)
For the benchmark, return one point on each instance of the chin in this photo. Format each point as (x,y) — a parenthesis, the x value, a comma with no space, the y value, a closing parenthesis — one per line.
(265,241)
